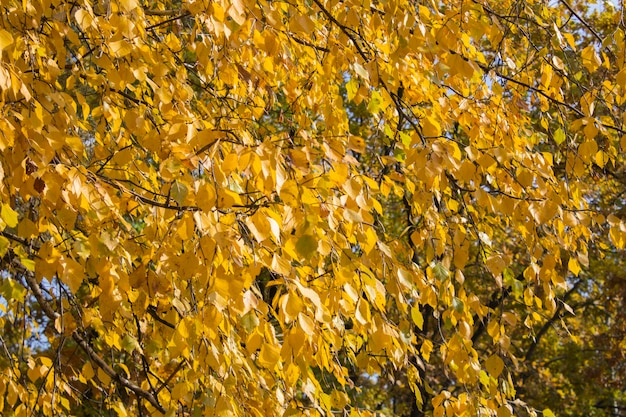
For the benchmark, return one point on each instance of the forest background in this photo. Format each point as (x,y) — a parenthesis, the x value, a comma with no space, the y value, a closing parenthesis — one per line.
(312,208)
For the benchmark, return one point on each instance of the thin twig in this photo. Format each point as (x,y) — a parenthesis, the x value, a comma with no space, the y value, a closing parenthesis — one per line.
(184,14)
(169,12)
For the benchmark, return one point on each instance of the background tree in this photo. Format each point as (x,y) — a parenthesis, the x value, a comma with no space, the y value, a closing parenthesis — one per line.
(270,208)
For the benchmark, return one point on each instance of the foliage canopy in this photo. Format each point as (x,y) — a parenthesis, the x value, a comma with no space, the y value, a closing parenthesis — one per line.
(270,208)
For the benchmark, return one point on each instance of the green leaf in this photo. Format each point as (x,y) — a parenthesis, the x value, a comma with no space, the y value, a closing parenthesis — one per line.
(374,104)
(129,343)
(559,136)
(494,366)
(440,272)
(458,305)
(306,245)
(28,263)
(11,290)
(249,321)
(417,317)
(179,192)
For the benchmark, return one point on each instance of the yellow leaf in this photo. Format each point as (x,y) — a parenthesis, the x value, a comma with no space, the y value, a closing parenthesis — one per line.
(296,341)
(548,413)
(179,391)
(495,264)
(571,41)
(292,305)
(302,24)
(269,355)
(205,197)
(587,150)
(426,349)
(430,127)
(573,266)
(280,265)
(289,193)
(228,198)
(306,324)
(34,373)
(8,215)
(179,192)
(493,329)
(259,226)
(103,377)
(591,60)
(621,78)
(128,5)
(559,136)
(558,63)
(83,18)
(467,171)
(292,373)
(504,411)
(27,263)
(27,228)
(417,317)
(361,72)
(88,371)
(120,48)
(362,313)
(356,143)
(6,39)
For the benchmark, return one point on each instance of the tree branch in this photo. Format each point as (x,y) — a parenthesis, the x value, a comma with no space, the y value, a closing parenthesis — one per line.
(496,299)
(309,44)
(546,326)
(169,378)
(169,12)
(15,238)
(84,344)
(153,312)
(165,22)
(581,20)
(143,199)
(346,30)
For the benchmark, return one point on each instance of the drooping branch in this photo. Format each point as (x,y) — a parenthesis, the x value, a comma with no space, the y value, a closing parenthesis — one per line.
(427,313)
(86,347)
(497,298)
(581,20)
(546,326)
(346,30)
(561,103)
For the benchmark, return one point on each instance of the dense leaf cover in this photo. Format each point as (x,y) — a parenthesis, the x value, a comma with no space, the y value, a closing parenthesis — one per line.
(312,208)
